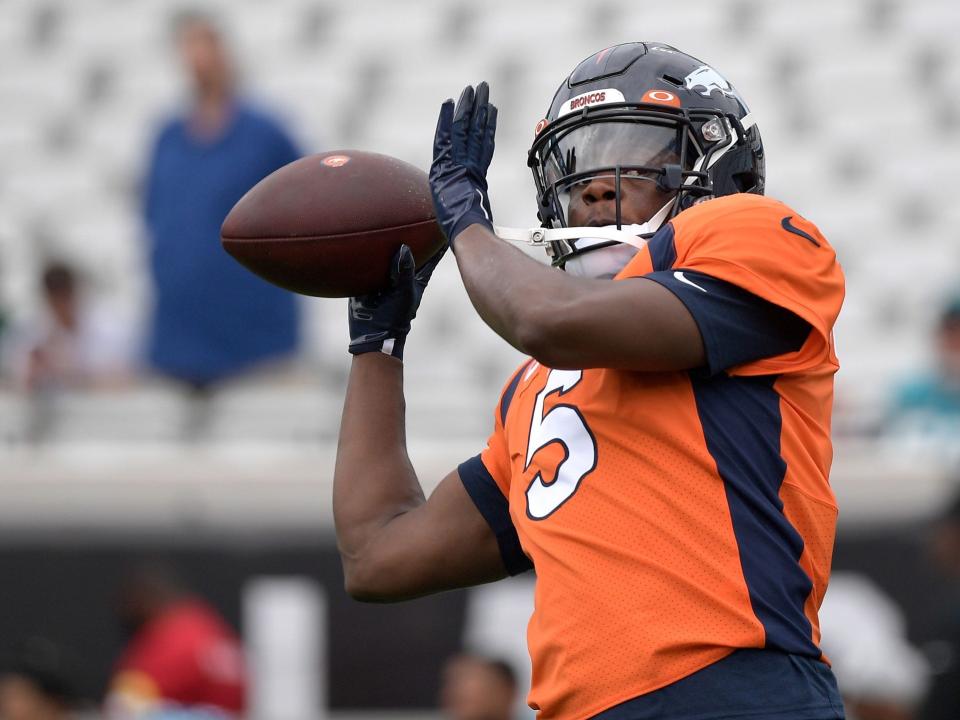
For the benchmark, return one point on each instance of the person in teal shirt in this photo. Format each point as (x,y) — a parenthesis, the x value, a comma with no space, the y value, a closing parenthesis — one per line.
(929,405)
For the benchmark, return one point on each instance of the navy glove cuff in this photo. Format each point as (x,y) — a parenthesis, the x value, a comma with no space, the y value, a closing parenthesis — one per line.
(470,207)
(392,346)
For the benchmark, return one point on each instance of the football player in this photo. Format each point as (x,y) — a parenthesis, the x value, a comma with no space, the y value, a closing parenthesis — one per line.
(662,458)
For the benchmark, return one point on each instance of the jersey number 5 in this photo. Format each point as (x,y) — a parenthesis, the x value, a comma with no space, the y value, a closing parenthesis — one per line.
(565,425)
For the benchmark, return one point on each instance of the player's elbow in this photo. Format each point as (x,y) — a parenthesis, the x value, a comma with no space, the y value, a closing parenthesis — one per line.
(545,352)
(530,339)
(547,336)
(535,332)
(360,585)
(364,593)
(365,582)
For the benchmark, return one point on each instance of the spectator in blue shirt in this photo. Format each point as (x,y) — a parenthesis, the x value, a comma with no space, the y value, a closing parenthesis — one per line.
(212,318)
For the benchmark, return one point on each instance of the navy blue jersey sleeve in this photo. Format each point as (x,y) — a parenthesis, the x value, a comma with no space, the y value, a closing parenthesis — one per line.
(491,503)
(737,326)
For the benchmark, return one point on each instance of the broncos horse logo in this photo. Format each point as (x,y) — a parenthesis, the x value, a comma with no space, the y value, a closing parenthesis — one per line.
(709,79)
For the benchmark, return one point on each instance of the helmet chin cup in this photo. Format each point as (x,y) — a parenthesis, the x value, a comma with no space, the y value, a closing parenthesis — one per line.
(603,262)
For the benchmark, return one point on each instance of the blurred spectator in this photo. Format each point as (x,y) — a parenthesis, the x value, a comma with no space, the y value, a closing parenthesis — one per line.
(478,688)
(35,684)
(881,676)
(211,318)
(182,658)
(4,340)
(497,616)
(931,404)
(77,343)
(943,700)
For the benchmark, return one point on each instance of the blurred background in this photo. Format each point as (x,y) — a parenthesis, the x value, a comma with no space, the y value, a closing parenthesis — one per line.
(168,422)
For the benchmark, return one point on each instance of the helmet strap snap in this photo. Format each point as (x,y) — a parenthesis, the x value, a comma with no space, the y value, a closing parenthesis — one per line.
(670,178)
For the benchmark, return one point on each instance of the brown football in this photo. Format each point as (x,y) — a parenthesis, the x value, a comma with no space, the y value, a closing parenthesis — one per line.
(329,224)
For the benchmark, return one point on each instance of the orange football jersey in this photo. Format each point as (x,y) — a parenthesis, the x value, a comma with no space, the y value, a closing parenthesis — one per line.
(673,518)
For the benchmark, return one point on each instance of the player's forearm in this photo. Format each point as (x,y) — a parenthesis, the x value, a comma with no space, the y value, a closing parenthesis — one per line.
(374,481)
(571,322)
(515,295)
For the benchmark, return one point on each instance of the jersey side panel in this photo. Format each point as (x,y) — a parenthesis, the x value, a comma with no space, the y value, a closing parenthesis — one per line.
(742,424)
(808,500)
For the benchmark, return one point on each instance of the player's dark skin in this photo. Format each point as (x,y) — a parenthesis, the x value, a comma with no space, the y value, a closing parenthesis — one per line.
(395,543)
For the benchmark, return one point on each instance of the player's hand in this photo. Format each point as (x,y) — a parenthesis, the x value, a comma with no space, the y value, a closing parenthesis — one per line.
(462,150)
(380,321)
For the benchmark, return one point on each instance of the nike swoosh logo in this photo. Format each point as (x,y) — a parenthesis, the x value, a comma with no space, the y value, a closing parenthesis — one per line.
(791,228)
(678,274)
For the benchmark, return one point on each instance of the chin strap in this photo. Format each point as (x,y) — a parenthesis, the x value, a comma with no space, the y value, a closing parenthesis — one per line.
(635,235)
(542,237)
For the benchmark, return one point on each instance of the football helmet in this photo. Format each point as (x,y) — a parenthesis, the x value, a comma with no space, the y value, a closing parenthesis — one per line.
(638,112)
